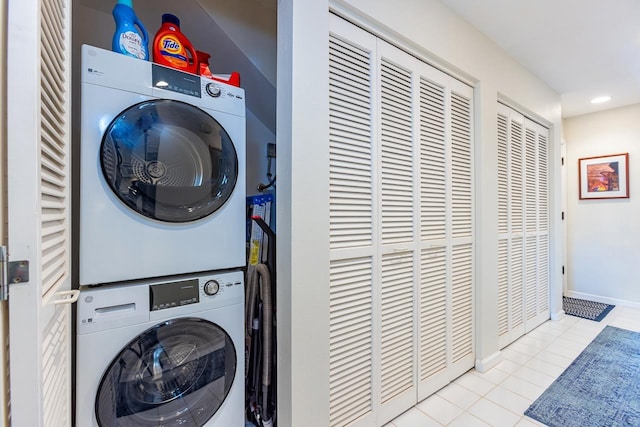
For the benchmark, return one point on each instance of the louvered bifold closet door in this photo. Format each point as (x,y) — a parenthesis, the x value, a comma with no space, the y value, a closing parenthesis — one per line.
(397,153)
(511,224)
(504,326)
(401,228)
(55,203)
(353,267)
(523,246)
(536,231)
(434,290)
(461,195)
(39,211)
(446,286)
(543,223)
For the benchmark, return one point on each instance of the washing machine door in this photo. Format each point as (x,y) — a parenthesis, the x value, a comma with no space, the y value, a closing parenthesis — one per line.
(169,160)
(176,373)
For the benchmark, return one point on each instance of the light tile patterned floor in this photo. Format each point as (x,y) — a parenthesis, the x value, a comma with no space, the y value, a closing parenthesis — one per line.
(500,396)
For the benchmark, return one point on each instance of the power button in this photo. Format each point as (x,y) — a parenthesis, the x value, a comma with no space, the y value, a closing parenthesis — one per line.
(211,287)
(213,90)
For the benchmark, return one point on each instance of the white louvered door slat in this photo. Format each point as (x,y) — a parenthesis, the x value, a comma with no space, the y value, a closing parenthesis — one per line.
(516,176)
(396,153)
(516,286)
(396,325)
(461,170)
(433,317)
(462,302)
(543,274)
(531,278)
(531,182)
(543,181)
(38,134)
(503,176)
(433,187)
(350,341)
(350,135)
(503,289)
(352,369)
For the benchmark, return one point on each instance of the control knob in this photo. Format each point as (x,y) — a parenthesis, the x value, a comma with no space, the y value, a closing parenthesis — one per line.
(213,90)
(211,287)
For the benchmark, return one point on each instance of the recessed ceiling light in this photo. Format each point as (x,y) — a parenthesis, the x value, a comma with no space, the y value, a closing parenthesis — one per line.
(600,99)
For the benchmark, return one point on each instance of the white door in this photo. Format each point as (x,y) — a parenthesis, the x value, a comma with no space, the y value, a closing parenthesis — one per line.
(38,216)
(523,224)
(400,228)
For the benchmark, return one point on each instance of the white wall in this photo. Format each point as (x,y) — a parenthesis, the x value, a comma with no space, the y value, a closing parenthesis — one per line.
(252,27)
(428,29)
(603,235)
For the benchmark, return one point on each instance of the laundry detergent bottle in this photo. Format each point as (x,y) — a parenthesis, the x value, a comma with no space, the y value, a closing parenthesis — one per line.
(130,37)
(172,48)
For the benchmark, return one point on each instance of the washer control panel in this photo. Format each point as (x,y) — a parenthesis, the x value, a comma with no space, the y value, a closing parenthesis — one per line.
(173,294)
(112,306)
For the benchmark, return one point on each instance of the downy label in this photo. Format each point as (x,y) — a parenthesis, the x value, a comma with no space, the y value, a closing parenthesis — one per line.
(131,42)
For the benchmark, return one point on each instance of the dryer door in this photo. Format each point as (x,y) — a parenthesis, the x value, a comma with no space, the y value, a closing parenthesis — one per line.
(176,373)
(169,160)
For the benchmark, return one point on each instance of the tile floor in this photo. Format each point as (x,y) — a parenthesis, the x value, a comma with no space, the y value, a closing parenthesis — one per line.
(500,396)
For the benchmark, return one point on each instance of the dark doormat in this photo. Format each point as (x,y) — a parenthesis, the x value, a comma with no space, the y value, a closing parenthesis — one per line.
(586,309)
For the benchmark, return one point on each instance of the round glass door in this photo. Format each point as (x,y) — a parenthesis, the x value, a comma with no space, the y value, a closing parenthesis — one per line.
(169,161)
(176,373)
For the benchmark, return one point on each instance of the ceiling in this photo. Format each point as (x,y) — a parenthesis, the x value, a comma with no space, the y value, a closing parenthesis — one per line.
(580,48)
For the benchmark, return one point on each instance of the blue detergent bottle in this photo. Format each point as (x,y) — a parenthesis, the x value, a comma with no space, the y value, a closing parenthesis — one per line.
(130,37)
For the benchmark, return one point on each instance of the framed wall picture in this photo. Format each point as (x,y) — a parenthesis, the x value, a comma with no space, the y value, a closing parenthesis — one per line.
(604,177)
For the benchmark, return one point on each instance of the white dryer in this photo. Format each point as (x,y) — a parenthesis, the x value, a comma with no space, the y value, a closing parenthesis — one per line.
(162,171)
(162,353)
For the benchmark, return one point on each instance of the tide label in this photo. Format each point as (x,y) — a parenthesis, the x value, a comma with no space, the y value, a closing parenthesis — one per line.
(173,51)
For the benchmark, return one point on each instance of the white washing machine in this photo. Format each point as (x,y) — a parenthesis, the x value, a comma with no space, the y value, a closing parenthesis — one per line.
(162,353)
(162,171)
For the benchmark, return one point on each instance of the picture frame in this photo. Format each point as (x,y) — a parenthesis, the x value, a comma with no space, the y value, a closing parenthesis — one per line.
(604,177)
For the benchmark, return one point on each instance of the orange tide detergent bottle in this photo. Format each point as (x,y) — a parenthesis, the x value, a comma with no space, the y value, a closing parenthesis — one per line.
(172,48)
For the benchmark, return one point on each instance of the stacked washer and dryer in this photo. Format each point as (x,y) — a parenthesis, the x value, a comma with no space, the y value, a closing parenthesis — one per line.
(160,335)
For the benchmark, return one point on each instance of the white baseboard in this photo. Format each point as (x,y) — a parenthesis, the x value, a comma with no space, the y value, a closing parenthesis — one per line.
(602,299)
(558,315)
(487,363)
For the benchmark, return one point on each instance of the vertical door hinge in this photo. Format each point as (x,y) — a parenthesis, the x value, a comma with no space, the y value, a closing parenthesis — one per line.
(563,216)
(11,272)
(562,161)
(563,270)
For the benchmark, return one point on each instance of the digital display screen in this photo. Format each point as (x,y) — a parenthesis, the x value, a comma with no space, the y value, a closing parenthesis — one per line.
(176,81)
(174,294)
